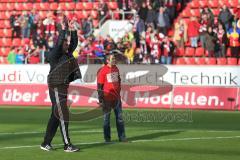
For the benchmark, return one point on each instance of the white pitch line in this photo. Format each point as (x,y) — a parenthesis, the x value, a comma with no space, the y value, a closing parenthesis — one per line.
(100,131)
(136,141)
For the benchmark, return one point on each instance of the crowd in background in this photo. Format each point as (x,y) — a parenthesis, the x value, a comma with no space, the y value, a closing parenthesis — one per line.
(148,42)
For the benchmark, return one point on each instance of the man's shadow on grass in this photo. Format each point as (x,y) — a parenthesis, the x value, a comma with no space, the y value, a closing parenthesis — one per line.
(150,136)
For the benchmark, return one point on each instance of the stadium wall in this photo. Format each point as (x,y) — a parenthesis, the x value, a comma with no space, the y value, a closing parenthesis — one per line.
(151,86)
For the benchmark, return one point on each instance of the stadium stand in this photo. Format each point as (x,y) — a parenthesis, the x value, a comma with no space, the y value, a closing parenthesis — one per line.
(84,9)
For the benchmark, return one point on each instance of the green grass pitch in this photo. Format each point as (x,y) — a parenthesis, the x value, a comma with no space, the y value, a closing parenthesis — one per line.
(202,135)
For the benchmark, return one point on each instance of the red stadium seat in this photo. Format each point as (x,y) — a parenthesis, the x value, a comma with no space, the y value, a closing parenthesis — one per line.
(70,6)
(113,5)
(224,2)
(180,52)
(79,6)
(7,32)
(194,4)
(9,7)
(233,3)
(16,42)
(195,12)
(62,6)
(19,6)
(53,6)
(238,61)
(180,61)
(213,3)
(88,5)
(221,61)
(44,6)
(215,12)
(1,32)
(211,61)
(4,51)
(190,52)
(200,61)
(232,61)
(27,6)
(229,54)
(6,42)
(203,3)
(200,52)
(190,61)
(95,5)
(95,23)
(94,14)
(186,13)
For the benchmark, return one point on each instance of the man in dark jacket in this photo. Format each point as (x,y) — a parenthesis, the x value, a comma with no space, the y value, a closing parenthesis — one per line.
(63,70)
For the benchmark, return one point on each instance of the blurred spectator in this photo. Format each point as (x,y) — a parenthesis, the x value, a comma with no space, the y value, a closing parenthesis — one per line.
(203,30)
(222,41)
(25,25)
(129,53)
(180,33)
(102,10)
(87,26)
(143,11)
(20,57)
(151,16)
(138,57)
(33,57)
(210,42)
(225,17)
(207,12)
(49,24)
(163,21)
(139,28)
(15,25)
(167,50)
(171,8)
(234,43)
(33,21)
(193,31)
(11,58)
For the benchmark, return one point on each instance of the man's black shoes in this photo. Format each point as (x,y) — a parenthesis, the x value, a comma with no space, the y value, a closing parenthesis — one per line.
(70,148)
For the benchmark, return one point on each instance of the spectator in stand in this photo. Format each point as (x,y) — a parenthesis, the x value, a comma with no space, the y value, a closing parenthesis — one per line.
(143,44)
(234,42)
(20,56)
(33,57)
(193,31)
(15,25)
(87,26)
(102,10)
(25,24)
(98,50)
(206,11)
(171,8)
(167,50)
(50,25)
(41,43)
(163,21)
(211,40)
(203,30)
(33,21)
(124,4)
(225,16)
(138,57)
(143,11)
(155,49)
(222,41)
(11,58)
(129,53)
(151,16)
(180,33)
(139,28)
